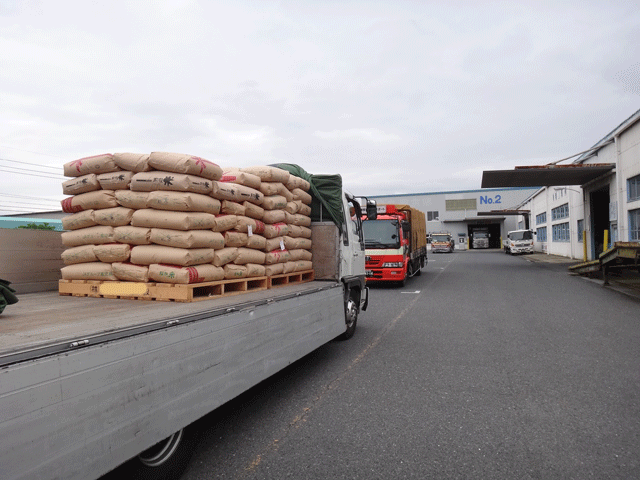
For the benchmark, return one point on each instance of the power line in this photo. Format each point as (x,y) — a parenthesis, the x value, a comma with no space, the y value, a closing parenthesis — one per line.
(28,163)
(29,151)
(28,203)
(24,196)
(32,170)
(30,174)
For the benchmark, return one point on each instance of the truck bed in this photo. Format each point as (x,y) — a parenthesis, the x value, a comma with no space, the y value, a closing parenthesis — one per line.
(46,323)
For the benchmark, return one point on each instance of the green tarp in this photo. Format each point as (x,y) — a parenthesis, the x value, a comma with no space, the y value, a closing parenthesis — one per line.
(326,194)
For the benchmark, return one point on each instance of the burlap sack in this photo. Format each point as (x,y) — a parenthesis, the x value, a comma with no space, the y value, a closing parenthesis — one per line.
(289,267)
(297,182)
(185,257)
(188,239)
(305,231)
(233,271)
(128,272)
(291,243)
(273,216)
(185,275)
(183,202)
(235,175)
(254,270)
(301,220)
(302,265)
(277,256)
(90,200)
(235,239)
(133,162)
(88,236)
(253,211)
(300,194)
(257,242)
(275,269)
(129,199)
(250,226)
(181,163)
(112,252)
(236,193)
(116,216)
(225,222)
(292,207)
(300,254)
(83,184)
(148,217)
(276,243)
(249,255)
(232,208)
(274,202)
(132,235)
(284,191)
(224,255)
(275,230)
(96,164)
(115,180)
(303,209)
(295,231)
(177,182)
(270,188)
(88,271)
(81,254)
(289,218)
(268,174)
(78,220)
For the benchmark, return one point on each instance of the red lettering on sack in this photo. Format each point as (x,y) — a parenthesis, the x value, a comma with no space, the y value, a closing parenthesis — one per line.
(77,164)
(259,227)
(228,178)
(67,206)
(193,275)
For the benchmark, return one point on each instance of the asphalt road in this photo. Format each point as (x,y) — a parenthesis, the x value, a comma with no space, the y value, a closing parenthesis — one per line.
(485,366)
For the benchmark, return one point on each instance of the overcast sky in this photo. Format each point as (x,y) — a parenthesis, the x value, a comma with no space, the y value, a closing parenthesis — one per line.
(397,96)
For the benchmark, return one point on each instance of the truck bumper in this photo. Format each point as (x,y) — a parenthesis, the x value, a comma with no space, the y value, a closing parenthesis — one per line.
(516,250)
(385,274)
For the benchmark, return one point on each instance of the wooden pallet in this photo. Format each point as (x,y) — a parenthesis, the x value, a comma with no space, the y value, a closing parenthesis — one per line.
(166,292)
(289,278)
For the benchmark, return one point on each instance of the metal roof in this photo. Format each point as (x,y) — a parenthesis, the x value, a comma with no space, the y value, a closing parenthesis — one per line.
(545,175)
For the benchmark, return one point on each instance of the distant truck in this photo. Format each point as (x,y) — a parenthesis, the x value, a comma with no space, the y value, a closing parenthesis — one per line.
(519,241)
(480,239)
(442,242)
(395,244)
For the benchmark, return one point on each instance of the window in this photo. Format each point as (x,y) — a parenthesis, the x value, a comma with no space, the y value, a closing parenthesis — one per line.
(580,230)
(541,234)
(560,212)
(432,216)
(561,232)
(634,225)
(633,188)
(462,204)
(541,218)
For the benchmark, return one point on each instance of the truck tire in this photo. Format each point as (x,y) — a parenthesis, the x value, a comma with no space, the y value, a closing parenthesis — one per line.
(167,459)
(351,308)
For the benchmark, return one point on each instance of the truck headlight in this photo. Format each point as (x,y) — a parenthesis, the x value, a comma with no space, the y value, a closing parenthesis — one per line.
(392,265)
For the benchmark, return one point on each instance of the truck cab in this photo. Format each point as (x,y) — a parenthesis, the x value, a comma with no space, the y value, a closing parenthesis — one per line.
(518,241)
(442,242)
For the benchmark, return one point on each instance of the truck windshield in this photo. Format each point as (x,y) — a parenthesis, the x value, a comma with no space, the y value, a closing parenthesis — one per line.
(440,238)
(481,235)
(526,235)
(381,233)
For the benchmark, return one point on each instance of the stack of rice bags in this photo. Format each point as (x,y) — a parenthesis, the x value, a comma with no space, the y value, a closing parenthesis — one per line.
(175,218)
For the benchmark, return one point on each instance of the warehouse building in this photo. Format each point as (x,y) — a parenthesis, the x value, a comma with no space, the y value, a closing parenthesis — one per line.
(464,213)
(598,194)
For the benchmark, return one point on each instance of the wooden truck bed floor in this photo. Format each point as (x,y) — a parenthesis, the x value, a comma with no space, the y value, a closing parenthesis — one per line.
(41,320)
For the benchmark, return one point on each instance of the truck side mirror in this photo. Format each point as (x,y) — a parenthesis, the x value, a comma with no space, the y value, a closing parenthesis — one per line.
(372,210)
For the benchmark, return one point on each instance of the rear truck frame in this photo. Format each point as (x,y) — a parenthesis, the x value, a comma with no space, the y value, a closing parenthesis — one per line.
(396,244)
(88,384)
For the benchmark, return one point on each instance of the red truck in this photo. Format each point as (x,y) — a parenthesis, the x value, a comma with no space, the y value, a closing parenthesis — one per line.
(395,244)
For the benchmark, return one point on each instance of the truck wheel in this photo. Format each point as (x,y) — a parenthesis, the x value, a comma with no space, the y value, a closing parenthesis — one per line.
(350,316)
(167,459)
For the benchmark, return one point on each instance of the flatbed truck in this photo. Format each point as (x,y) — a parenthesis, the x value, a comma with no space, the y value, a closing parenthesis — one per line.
(88,384)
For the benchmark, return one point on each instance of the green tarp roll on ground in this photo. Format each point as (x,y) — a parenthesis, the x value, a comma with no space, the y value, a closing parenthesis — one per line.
(325,191)
(7,296)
